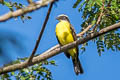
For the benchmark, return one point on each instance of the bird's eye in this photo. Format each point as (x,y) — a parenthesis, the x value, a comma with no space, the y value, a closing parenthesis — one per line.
(64,18)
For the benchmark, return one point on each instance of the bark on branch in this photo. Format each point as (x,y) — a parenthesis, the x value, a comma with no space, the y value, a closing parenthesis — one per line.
(57,49)
(30,1)
(84,31)
(29,8)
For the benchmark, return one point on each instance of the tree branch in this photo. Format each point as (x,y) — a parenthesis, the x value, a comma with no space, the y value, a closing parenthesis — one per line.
(41,32)
(98,21)
(100,17)
(27,9)
(57,49)
(30,1)
(1,1)
(84,31)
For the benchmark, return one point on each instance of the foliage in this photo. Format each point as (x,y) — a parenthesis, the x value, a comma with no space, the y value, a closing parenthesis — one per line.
(15,6)
(35,72)
(91,11)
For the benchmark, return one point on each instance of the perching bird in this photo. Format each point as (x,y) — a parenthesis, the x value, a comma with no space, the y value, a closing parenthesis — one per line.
(65,34)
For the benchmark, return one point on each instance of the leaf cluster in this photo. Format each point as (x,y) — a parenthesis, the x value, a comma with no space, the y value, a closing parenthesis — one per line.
(91,11)
(15,6)
(35,72)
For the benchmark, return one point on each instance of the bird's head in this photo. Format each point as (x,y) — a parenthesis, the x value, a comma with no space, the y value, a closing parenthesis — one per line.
(62,17)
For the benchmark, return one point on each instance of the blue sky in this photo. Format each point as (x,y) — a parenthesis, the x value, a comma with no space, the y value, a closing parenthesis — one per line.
(95,67)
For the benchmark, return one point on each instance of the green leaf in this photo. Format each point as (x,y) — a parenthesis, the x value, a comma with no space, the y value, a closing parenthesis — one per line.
(52,62)
(99,2)
(7,4)
(12,73)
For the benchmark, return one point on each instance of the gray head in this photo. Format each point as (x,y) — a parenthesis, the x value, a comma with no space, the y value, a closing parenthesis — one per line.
(62,17)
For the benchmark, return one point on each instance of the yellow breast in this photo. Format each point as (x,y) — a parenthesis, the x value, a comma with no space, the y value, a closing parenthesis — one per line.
(64,35)
(63,32)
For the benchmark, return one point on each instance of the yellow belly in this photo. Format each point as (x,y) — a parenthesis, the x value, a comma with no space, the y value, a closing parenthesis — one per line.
(65,36)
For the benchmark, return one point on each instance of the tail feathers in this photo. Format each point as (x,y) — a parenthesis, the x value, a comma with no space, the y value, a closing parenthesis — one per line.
(77,66)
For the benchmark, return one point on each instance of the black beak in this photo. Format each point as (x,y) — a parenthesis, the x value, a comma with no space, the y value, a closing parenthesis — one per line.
(57,18)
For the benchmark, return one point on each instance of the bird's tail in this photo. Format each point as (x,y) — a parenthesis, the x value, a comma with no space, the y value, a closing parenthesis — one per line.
(77,66)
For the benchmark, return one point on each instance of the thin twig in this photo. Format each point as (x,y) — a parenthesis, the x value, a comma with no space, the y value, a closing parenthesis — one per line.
(57,49)
(2,1)
(98,21)
(41,32)
(100,17)
(27,9)
(30,1)
(84,31)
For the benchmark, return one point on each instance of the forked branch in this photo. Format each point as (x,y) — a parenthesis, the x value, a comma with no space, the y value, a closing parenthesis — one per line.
(27,9)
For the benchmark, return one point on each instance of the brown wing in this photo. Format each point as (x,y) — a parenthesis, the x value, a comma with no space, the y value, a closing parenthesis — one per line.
(66,53)
(75,37)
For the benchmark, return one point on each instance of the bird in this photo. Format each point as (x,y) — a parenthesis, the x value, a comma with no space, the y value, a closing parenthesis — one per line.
(65,34)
